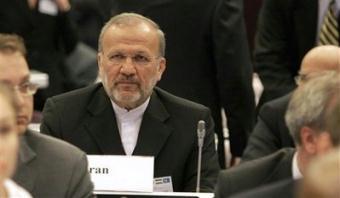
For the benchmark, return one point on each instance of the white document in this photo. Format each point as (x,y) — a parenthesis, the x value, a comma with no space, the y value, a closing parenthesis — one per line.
(121,173)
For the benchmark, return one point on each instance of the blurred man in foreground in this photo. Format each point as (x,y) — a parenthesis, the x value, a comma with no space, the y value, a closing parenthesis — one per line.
(306,118)
(47,167)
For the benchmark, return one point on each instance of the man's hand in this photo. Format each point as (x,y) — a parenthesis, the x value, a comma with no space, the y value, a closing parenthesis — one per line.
(235,161)
(32,3)
(63,5)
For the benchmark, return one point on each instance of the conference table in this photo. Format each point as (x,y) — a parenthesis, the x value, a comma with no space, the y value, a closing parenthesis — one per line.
(152,194)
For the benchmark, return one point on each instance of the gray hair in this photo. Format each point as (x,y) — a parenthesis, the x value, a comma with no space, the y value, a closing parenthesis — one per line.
(130,20)
(333,121)
(310,104)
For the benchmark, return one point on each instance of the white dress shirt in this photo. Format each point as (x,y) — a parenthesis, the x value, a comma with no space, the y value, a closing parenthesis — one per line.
(15,191)
(128,123)
(295,168)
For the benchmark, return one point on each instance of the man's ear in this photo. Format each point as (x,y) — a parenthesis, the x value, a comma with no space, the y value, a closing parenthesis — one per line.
(99,62)
(308,140)
(161,68)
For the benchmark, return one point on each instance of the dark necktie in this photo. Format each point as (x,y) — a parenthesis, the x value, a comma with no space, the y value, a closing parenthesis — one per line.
(329,34)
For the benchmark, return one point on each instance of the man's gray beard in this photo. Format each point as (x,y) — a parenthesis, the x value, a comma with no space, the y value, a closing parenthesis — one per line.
(130,101)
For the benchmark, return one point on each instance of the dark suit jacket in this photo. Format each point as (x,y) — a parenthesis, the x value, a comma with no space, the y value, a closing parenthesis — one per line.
(48,39)
(86,119)
(207,55)
(252,174)
(282,189)
(270,133)
(286,32)
(48,167)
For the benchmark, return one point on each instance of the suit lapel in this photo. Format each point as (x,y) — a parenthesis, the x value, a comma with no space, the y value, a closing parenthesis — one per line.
(102,125)
(25,175)
(153,133)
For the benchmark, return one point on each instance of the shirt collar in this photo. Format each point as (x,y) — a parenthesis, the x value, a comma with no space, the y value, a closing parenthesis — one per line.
(295,168)
(129,115)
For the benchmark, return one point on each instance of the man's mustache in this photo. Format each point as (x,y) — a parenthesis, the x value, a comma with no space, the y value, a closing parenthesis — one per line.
(131,80)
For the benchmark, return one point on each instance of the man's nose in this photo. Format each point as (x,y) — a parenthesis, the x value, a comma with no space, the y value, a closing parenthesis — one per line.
(20,99)
(128,67)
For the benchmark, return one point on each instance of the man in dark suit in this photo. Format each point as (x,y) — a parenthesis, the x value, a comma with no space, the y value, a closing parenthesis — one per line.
(125,114)
(287,30)
(46,167)
(208,59)
(271,133)
(306,117)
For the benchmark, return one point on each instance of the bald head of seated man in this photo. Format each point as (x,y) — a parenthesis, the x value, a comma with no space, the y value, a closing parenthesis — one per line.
(270,132)
(306,117)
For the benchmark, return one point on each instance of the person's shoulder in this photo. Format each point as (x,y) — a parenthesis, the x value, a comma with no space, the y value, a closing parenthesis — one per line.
(266,163)
(178,102)
(256,172)
(53,147)
(276,157)
(14,190)
(277,105)
(283,188)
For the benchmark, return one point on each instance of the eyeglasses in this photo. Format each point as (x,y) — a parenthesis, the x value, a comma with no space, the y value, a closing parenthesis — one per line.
(119,59)
(26,89)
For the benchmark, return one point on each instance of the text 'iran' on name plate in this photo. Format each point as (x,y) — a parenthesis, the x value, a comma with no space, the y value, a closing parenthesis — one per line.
(121,172)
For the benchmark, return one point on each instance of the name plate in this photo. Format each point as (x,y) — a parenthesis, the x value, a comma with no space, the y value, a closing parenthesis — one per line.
(121,172)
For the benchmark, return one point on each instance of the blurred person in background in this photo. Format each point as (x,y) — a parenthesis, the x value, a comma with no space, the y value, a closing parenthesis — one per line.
(286,31)
(270,132)
(49,35)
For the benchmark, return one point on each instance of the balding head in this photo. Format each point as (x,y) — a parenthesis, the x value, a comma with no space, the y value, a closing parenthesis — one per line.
(321,58)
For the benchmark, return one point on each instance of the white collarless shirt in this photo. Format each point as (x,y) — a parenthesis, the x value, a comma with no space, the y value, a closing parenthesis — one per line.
(295,168)
(129,123)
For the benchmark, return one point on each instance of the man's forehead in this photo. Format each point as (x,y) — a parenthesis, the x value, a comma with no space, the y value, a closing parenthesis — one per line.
(140,32)
(14,80)
(13,69)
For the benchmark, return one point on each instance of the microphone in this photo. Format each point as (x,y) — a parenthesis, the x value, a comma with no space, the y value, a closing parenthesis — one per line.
(200,138)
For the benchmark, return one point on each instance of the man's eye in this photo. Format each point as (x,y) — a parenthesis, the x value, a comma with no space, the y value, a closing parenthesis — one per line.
(4,130)
(141,58)
(25,85)
(117,57)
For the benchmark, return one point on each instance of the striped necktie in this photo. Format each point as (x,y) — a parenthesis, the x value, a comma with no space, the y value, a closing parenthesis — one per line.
(329,34)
